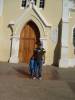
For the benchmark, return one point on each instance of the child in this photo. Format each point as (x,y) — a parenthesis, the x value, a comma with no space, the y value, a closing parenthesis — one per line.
(33,66)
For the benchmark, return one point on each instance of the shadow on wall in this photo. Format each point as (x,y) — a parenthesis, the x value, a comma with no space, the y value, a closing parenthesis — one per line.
(57,51)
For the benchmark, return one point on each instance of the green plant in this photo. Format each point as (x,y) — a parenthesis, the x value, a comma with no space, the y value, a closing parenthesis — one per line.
(43,51)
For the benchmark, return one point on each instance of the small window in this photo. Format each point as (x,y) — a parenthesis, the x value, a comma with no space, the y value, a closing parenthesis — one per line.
(42,3)
(23,3)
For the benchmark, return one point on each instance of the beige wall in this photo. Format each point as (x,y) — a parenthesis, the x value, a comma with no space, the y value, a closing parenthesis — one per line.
(1,24)
(12,11)
(53,11)
(71,25)
(3,42)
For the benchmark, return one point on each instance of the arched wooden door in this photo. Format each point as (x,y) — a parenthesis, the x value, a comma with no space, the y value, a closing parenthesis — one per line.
(28,38)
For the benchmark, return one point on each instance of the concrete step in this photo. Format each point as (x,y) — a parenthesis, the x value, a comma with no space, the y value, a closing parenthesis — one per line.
(16,84)
(67,73)
(48,72)
(21,89)
(22,70)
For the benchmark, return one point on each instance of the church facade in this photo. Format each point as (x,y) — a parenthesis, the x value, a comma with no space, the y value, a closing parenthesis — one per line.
(24,22)
(68,34)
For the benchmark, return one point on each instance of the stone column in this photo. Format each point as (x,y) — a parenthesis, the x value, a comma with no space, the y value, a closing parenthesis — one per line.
(65,61)
(15,49)
(64,39)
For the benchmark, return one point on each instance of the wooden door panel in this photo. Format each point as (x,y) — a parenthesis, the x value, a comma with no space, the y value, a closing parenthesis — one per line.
(28,49)
(27,42)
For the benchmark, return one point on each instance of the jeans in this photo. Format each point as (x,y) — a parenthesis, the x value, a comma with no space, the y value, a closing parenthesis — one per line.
(39,68)
(35,68)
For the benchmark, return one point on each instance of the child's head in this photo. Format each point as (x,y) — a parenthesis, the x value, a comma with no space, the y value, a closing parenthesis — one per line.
(35,53)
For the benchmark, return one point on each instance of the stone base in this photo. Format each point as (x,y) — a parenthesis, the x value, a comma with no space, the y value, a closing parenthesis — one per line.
(13,59)
(67,62)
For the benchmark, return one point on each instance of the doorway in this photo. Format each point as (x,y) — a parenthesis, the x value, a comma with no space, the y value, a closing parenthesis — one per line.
(29,38)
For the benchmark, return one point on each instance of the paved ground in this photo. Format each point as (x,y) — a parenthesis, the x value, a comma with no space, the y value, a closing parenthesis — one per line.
(16,84)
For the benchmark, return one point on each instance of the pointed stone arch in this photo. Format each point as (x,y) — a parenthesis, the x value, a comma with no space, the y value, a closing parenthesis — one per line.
(18,26)
(16,38)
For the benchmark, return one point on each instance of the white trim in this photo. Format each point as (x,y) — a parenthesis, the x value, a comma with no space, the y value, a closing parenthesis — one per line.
(12,22)
(22,8)
(72,9)
(65,29)
(27,4)
(41,17)
(67,62)
(41,8)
